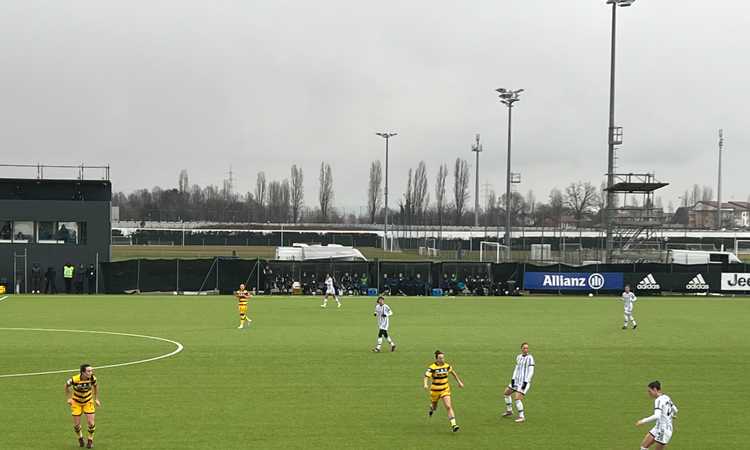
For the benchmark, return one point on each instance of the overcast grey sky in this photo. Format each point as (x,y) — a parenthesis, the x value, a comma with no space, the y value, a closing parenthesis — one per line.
(152,87)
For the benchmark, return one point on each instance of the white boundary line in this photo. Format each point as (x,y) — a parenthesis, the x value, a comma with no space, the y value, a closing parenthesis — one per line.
(179,348)
(4,297)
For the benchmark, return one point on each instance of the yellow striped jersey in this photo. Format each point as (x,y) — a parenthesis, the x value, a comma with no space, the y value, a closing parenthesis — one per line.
(439,376)
(242,297)
(83,390)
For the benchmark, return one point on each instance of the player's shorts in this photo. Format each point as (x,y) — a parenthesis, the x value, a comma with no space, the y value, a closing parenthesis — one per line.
(76,409)
(515,387)
(437,395)
(661,435)
(330,292)
(383,333)
(243,309)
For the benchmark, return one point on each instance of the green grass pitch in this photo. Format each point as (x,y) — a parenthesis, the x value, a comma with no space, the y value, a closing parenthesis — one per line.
(304,377)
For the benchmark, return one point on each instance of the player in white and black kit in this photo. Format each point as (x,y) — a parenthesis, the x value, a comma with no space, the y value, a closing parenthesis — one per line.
(330,290)
(520,383)
(383,312)
(665,411)
(628,298)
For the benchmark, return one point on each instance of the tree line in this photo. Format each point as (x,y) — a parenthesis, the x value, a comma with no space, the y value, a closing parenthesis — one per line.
(443,202)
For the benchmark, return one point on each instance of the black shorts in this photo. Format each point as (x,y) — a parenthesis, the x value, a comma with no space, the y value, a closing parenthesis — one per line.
(383,333)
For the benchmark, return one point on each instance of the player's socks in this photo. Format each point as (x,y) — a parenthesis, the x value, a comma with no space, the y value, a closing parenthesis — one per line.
(519,407)
(452,420)
(92,429)
(508,404)
(338,303)
(77,431)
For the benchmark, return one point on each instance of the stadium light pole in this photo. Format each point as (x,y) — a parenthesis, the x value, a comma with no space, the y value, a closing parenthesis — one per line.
(611,133)
(508,98)
(387,136)
(478,149)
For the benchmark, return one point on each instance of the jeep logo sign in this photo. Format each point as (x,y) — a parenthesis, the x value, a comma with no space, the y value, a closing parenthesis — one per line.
(735,281)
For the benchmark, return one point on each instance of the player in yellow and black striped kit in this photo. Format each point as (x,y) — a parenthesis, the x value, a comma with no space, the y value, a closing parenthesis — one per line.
(437,375)
(243,296)
(82,394)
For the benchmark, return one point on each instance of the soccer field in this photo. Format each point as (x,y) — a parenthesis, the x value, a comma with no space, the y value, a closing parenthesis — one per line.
(304,377)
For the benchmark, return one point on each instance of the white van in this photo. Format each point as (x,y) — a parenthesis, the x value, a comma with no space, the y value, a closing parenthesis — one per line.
(701,257)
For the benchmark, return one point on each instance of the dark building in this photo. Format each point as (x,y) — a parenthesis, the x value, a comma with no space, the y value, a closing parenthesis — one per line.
(49,223)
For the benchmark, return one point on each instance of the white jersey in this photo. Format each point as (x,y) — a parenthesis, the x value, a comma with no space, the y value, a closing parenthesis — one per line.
(664,412)
(628,298)
(524,370)
(383,313)
(329,286)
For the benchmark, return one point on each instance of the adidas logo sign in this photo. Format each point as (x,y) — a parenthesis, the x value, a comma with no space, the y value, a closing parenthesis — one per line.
(697,283)
(649,282)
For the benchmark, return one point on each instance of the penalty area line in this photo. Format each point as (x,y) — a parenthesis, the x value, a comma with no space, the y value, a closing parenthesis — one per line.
(178,349)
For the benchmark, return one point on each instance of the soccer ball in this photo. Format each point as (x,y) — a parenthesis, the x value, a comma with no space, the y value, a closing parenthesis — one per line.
(591,294)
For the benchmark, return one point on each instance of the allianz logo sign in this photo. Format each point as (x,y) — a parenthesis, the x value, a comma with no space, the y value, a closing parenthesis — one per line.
(593,281)
(648,283)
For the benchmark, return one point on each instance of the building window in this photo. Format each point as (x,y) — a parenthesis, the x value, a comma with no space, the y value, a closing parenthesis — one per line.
(6,230)
(47,233)
(23,231)
(67,232)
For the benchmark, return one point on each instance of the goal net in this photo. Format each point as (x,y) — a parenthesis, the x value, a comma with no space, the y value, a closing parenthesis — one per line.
(430,248)
(492,250)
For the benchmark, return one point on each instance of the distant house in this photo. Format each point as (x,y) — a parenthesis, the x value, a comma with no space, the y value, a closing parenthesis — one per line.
(734,214)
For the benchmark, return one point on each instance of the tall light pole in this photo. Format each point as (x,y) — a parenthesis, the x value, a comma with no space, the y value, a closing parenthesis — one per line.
(612,140)
(477,147)
(718,190)
(387,137)
(508,98)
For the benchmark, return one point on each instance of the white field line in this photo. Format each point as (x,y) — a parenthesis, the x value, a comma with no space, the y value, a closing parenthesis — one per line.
(4,297)
(130,363)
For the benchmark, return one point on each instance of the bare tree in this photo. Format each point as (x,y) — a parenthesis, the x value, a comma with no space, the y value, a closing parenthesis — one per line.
(183,181)
(442,175)
(695,195)
(297,193)
(325,194)
(421,198)
(406,204)
(278,201)
(460,187)
(580,197)
(374,198)
(556,205)
(261,194)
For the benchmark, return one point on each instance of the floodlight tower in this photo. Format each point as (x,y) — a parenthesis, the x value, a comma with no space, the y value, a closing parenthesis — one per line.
(615,134)
(508,98)
(477,147)
(718,190)
(387,136)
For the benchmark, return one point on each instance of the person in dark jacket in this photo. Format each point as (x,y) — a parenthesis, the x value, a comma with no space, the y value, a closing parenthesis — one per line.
(91,275)
(36,278)
(79,276)
(50,287)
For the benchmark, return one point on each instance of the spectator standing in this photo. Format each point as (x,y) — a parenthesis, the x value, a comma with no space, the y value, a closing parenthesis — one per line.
(91,275)
(68,273)
(80,274)
(50,287)
(36,278)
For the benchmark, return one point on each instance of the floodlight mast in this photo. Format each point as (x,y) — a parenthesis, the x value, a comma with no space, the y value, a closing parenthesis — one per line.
(508,98)
(611,134)
(477,147)
(387,136)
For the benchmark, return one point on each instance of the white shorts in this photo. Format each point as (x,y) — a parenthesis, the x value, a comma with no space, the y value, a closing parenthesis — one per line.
(330,292)
(661,435)
(519,387)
